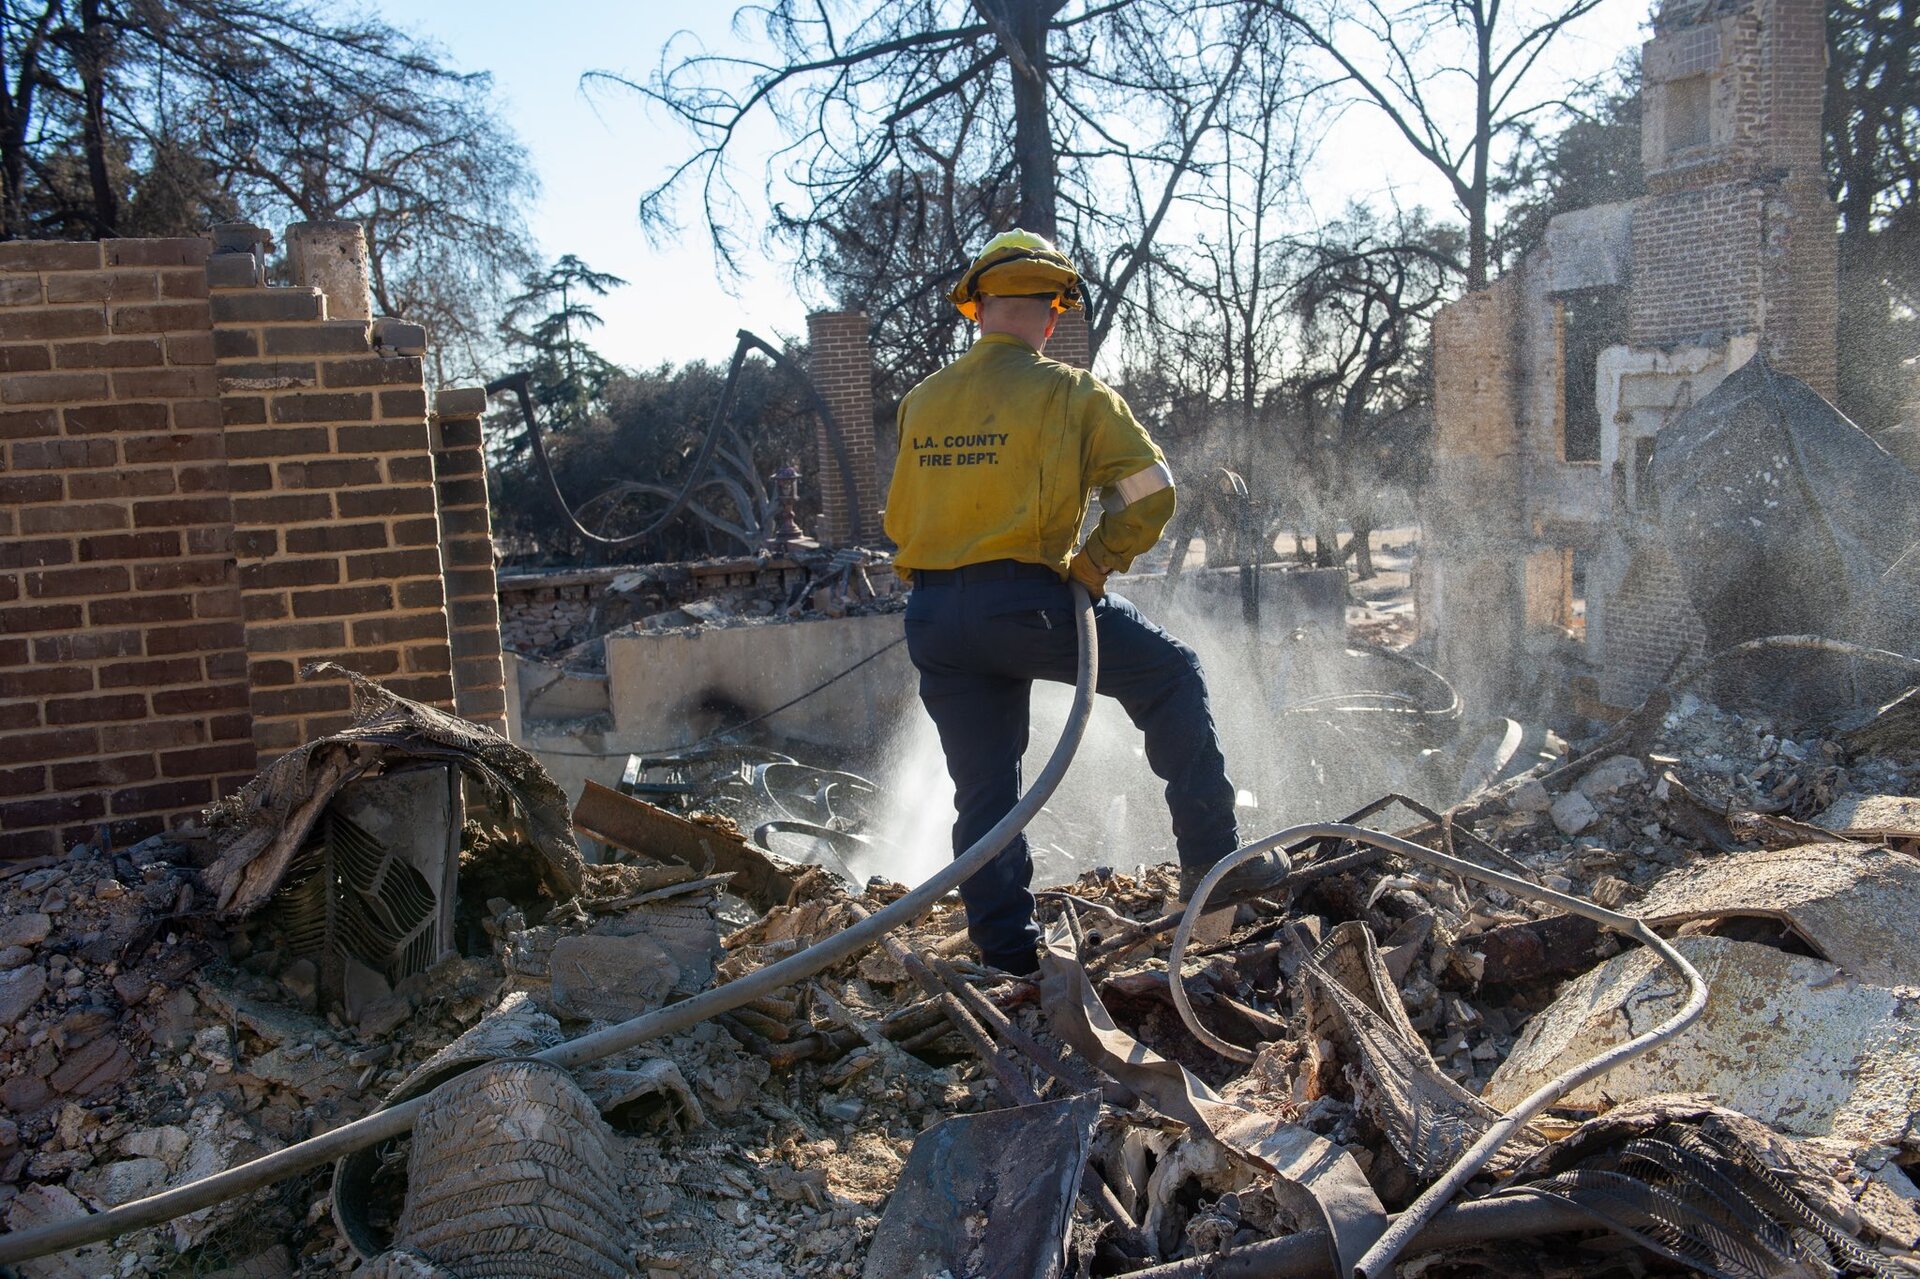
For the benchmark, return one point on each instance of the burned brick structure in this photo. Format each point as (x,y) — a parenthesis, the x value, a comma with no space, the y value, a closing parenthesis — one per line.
(207,482)
(1552,384)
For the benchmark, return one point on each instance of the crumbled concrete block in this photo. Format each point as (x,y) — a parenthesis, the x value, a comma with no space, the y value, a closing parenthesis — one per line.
(167,1143)
(93,1067)
(1573,813)
(110,1185)
(385,1015)
(1610,775)
(20,990)
(1529,797)
(38,1206)
(214,1045)
(25,930)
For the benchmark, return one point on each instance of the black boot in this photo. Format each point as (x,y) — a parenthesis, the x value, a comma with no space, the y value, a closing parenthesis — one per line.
(1025,963)
(1254,877)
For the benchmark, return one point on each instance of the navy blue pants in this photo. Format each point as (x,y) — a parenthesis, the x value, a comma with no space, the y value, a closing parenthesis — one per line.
(980,636)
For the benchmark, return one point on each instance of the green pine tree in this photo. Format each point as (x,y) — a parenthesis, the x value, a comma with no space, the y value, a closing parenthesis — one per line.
(547,325)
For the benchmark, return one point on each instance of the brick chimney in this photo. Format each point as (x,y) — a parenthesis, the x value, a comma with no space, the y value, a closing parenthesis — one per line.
(841,364)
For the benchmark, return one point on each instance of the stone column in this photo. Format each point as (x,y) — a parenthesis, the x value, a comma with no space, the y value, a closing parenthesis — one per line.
(841,365)
(332,256)
(466,552)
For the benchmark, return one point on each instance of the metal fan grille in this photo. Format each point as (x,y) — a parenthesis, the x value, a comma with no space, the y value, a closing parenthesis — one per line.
(349,899)
(1710,1204)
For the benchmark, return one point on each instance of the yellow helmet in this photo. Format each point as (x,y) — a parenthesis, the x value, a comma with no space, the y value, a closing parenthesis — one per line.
(1018,264)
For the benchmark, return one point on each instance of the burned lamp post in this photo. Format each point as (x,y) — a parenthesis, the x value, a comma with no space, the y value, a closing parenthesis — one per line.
(786,492)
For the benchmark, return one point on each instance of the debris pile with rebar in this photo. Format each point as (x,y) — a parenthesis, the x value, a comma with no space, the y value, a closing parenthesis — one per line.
(1296,1094)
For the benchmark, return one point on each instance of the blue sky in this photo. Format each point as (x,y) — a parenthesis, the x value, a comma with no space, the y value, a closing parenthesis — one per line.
(595,155)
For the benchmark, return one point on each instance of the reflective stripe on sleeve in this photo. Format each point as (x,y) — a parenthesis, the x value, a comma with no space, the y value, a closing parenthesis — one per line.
(1144,484)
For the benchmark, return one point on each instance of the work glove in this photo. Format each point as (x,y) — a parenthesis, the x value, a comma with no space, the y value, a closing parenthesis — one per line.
(1083,570)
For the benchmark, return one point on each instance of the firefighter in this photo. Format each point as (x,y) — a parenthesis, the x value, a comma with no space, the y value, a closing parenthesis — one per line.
(999,452)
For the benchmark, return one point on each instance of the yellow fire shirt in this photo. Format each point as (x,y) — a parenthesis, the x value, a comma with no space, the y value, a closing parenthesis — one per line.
(999,452)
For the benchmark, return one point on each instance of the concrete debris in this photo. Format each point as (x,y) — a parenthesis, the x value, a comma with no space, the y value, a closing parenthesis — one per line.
(1850,905)
(880,1118)
(1610,776)
(1893,820)
(1786,1038)
(1573,812)
(561,619)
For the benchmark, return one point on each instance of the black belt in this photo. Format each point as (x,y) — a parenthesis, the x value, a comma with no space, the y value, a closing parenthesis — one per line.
(987,571)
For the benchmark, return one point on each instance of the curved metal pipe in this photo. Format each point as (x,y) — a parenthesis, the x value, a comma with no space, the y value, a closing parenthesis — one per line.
(319,1151)
(1379,1258)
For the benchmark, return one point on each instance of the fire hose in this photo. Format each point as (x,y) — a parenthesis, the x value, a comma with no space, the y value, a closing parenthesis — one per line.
(316,1152)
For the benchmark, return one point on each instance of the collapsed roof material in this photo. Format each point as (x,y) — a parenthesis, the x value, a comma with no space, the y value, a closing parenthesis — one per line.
(1853,905)
(1828,521)
(260,830)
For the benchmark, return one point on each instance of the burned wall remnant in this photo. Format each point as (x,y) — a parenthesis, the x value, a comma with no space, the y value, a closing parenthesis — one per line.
(208,482)
(1553,385)
(840,362)
(1830,520)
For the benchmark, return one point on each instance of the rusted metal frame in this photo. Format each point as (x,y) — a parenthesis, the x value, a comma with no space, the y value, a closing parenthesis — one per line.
(1013,1082)
(1144,931)
(1011,1031)
(781,1056)
(923,1040)
(913,1028)
(1379,1258)
(1449,824)
(518,384)
(1325,868)
(886,1048)
(836,437)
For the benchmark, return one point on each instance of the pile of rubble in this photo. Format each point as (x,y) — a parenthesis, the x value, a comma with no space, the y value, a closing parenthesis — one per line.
(909,1112)
(564,622)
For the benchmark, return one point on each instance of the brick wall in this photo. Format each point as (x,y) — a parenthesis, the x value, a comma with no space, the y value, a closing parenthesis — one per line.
(1071,342)
(1650,624)
(1474,388)
(1737,235)
(204,484)
(1696,266)
(1800,248)
(466,551)
(840,361)
(334,509)
(1732,249)
(122,675)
